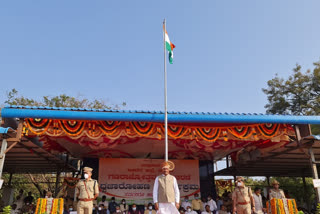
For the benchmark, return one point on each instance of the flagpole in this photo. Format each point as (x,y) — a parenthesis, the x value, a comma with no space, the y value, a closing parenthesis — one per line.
(165,92)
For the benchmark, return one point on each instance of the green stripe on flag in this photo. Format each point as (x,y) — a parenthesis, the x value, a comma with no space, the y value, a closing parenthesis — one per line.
(168,46)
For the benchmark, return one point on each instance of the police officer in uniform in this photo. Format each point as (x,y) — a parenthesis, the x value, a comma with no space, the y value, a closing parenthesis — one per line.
(242,198)
(87,190)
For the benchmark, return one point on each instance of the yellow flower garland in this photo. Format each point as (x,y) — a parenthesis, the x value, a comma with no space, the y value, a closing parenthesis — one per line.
(275,205)
(57,206)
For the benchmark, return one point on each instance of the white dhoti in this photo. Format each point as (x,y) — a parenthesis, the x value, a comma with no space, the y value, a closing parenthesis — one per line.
(167,208)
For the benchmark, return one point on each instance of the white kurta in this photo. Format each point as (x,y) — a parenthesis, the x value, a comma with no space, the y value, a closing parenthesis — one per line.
(212,204)
(257,203)
(185,204)
(166,208)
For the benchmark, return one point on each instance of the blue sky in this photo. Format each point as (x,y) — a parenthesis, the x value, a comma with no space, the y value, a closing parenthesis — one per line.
(225,52)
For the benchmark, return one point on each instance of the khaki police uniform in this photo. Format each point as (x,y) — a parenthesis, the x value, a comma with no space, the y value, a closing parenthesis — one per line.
(242,199)
(86,191)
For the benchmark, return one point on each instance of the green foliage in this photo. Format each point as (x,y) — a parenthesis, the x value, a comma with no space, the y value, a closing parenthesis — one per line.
(318,209)
(299,94)
(297,190)
(61,100)
(7,209)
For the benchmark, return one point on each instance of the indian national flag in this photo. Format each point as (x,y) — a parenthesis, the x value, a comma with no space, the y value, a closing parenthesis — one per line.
(169,46)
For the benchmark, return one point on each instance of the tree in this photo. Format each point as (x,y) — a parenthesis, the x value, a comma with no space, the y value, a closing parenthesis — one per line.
(299,94)
(61,100)
(42,182)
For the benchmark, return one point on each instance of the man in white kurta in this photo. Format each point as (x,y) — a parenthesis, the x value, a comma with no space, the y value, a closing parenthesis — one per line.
(166,194)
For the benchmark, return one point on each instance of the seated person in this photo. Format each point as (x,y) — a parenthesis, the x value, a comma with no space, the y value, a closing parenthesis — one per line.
(207,210)
(150,209)
(190,211)
(134,210)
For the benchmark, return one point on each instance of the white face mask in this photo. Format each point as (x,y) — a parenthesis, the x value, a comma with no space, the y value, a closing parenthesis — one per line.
(189,210)
(134,208)
(150,207)
(118,211)
(100,208)
(123,202)
(239,184)
(70,209)
(86,176)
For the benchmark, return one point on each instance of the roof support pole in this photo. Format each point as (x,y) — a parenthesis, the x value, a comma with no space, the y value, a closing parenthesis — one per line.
(305,191)
(3,155)
(268,181)
(10,179)
(56,190)
(314,171)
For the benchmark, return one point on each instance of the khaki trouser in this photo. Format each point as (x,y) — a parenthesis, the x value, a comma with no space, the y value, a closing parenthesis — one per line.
(243,209)
(84,207)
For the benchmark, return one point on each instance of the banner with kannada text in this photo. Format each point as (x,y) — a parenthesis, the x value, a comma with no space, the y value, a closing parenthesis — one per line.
(133,179)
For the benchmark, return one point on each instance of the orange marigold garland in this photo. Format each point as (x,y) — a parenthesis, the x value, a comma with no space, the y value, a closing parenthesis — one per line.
(37,207)
(56,208)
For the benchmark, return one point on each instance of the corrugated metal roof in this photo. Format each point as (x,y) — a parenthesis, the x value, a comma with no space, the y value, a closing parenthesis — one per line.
(5,130)
(152,116)
(131,111)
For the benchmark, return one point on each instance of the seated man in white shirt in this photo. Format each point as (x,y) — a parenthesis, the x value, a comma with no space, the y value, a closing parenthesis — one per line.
(212,203)
(207,210)
(185,203)
(190,211)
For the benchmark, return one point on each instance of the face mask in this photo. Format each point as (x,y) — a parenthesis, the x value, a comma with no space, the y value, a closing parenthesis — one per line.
(46,196)
(239,184)
(70,209)
(150,207)
(123,202)
(86,176)
(134,208)
(189,210)
(145,208)
(100,208)
(27,203)
(118,211)
(196,198)
(209,199)
(186,200)
(112,200)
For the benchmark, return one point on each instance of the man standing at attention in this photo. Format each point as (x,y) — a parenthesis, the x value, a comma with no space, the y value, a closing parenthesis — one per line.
(242,198)
(166,195)
(258,201)
(196,203)
(87,190)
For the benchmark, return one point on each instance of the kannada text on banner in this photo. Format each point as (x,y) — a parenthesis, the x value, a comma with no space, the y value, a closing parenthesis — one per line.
(133,179)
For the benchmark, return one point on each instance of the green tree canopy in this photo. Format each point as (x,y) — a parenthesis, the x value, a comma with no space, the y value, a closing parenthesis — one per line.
(61,100)
(299,94)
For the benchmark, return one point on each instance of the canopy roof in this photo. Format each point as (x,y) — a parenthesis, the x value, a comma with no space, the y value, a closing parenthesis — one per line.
(140,134)
(28,156)
(152,116)
(291,160)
